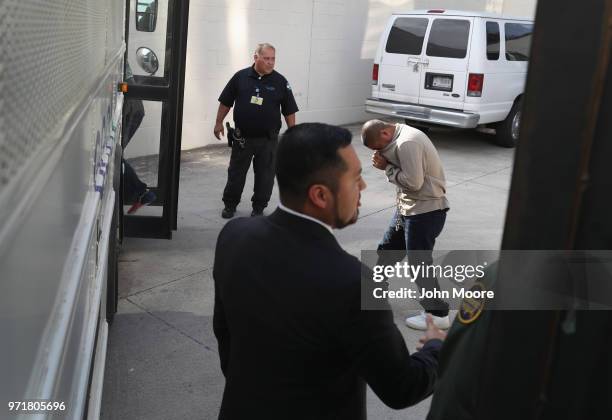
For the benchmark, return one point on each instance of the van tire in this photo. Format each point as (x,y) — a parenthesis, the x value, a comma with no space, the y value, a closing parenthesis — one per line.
(507,131)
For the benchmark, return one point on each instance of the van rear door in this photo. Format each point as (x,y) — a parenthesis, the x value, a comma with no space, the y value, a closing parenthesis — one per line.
(400,70)
(445,62)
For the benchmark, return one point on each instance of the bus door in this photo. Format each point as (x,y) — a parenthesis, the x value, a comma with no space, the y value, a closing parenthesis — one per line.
(156,36)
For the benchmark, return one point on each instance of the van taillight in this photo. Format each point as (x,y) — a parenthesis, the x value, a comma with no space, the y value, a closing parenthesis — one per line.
(475,82)
(375,74)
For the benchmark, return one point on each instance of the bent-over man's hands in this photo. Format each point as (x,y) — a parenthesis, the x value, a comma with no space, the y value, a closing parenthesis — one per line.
(219,131)
(379,161)
(431,333)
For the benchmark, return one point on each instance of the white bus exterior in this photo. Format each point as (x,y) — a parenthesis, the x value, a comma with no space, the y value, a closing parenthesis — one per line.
(60,129)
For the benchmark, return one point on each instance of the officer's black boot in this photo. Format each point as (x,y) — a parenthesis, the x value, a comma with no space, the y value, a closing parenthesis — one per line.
(228,212)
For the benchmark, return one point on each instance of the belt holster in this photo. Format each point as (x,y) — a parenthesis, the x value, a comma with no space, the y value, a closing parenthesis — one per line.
(234,136)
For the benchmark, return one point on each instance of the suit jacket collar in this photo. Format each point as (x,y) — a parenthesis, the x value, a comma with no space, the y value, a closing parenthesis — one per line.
(302,226)
(305,216)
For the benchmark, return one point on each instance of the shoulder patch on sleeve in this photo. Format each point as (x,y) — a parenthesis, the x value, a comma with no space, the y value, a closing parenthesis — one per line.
(471,308)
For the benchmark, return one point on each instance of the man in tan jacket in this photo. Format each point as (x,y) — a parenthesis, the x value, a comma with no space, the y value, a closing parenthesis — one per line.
(411,162)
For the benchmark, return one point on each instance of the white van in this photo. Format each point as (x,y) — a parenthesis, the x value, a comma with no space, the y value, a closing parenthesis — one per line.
(452,68)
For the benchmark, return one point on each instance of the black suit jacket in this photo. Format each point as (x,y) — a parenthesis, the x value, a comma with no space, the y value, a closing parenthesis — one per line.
(293,341)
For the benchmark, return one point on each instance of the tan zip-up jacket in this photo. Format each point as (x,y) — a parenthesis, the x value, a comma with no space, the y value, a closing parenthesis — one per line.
(416,169)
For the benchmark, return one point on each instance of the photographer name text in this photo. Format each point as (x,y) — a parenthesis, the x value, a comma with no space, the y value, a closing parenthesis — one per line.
(405,293)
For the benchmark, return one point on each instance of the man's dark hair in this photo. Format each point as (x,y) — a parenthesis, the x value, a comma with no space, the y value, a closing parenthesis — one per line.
(307,154)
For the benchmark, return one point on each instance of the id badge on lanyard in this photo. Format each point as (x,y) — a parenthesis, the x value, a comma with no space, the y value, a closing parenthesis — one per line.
(256,99)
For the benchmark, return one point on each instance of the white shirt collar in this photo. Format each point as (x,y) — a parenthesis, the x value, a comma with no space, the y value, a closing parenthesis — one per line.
(305,216)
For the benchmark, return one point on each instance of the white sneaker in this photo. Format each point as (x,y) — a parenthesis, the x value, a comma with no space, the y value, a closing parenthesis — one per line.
(418,322)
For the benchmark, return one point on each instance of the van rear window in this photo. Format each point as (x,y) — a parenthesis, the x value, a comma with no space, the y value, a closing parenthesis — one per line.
(493,41)
(406,36)
(448,38)
(518,41)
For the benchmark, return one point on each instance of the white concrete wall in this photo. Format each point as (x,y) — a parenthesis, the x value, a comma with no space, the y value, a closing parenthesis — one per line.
(324,48)
(519,8)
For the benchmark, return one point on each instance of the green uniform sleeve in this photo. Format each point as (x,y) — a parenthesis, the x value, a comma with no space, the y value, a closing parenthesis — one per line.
(456,392)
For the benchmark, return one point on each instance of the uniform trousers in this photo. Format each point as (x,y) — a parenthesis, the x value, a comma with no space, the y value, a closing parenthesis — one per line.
(260,150)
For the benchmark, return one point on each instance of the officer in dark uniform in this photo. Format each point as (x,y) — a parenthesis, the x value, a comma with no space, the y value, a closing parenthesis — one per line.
(258,94)
(461,359)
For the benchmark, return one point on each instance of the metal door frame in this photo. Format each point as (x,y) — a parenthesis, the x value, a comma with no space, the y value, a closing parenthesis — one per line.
(171,96)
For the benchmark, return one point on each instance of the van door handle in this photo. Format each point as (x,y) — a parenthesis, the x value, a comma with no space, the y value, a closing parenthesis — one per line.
(425,62)
(414,62)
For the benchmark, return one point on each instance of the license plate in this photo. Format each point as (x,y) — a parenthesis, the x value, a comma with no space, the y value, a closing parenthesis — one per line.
(441,82)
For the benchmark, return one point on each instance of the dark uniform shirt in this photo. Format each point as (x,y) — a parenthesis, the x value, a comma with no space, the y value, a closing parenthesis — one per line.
(274,92)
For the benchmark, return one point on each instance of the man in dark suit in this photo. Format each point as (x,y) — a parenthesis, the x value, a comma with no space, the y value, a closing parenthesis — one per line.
(293,340)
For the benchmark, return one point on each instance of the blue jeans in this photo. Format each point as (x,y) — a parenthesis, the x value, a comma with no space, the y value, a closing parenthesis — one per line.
(416,233)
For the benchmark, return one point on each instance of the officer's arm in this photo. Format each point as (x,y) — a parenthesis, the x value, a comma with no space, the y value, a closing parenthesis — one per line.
(289,106)
(226,100)
(290,119)
(220,327)
(378,351)
(221,331)
(398,378)
(221,114)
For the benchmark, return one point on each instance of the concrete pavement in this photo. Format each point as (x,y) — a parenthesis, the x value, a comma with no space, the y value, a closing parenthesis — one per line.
(162,358)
